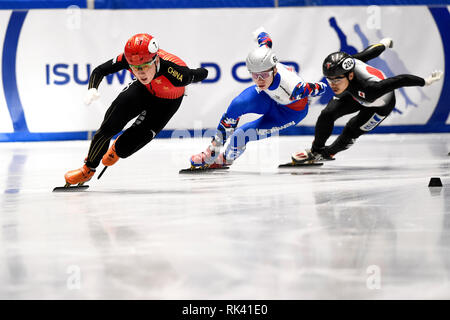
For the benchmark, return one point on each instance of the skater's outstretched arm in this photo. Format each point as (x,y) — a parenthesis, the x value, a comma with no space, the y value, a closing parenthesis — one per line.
(181,76)
(374,50)
(377,89)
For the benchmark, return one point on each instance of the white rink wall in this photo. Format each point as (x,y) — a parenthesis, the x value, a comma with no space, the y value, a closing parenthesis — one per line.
(56,49)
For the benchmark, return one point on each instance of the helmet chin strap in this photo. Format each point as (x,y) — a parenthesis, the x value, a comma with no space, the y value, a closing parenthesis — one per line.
(157,64)
(274,70)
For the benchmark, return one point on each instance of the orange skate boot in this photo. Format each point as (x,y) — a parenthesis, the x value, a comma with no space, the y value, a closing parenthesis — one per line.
(110,156)
(79,176)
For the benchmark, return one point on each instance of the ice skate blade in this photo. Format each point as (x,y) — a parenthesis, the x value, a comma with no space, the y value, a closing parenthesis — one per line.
(71,188)
(101,173)
(201,170)
(305,164)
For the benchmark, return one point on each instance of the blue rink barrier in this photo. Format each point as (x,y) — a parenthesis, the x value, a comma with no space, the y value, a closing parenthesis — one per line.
(297,3)
(38,4)
(44,136)
(191,133)
(183,4)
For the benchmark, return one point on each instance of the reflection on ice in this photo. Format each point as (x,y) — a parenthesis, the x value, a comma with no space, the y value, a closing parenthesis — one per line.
(365,226)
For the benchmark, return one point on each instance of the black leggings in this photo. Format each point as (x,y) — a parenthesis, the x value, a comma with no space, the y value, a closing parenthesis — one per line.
(367,119)
(134,101)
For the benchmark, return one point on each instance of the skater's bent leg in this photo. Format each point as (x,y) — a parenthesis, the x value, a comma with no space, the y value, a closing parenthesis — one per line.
(132,140)
(99,146)
(366,120)
(239,139)
(335,109)
(248,101)
(238,142)
(277,118)
(124,108)
(100,142)
(344,141)
(149,123)
(324,128)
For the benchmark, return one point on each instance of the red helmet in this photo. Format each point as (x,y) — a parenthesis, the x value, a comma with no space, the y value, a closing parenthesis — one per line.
(141,48)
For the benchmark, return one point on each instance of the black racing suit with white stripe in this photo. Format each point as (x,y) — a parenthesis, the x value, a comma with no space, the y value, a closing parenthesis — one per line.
(369,93)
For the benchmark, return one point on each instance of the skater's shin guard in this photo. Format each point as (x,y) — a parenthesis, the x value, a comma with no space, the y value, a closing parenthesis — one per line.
(225,129)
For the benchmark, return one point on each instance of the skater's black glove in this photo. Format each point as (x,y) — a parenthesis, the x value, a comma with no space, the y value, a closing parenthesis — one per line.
(199,74)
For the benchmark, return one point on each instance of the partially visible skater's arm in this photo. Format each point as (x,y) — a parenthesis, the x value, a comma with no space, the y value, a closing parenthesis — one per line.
(377,89)
(97,75)
(374,50)
(262,37)
(110,66)
(182,76)
(305,89)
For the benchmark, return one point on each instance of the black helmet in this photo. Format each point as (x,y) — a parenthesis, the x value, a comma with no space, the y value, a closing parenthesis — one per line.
(338,63)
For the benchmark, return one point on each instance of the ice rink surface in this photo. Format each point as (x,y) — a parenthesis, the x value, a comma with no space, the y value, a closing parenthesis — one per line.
(365,226)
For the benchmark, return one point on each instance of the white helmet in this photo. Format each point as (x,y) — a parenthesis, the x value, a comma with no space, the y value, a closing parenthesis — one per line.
(261,59)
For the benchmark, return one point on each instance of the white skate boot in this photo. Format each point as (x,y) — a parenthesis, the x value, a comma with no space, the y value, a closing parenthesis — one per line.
(307,156)
(207,157)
